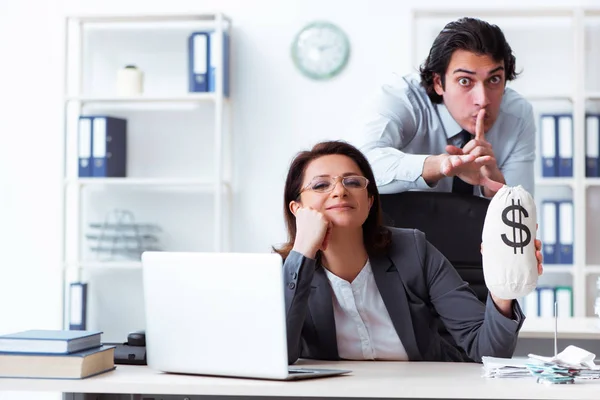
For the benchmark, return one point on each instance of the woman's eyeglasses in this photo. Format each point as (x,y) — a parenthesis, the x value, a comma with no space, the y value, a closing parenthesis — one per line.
(324,184)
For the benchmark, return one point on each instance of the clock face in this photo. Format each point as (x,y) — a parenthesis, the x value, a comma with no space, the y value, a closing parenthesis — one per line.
(320,50)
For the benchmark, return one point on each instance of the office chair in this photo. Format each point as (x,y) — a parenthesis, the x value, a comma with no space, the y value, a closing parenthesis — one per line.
(452,223)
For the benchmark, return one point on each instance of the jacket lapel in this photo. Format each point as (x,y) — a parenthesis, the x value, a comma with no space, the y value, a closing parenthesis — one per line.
(321,310)
(394,297)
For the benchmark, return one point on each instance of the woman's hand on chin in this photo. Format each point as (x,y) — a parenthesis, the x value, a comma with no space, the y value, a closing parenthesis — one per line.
(313,230)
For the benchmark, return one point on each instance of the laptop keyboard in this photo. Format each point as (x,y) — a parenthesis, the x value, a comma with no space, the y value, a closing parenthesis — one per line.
(300,371)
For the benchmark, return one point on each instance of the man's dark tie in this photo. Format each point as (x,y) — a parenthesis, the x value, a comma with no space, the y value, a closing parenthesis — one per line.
(458,185)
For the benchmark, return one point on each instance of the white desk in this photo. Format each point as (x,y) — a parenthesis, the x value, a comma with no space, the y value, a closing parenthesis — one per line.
(368,380)
(568,328)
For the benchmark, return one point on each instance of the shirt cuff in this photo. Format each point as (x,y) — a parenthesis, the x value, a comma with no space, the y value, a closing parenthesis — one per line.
(421,184)
(479,192)
(510,324)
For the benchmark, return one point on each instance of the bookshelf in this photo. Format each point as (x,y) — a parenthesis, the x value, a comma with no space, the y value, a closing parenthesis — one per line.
(187,98)
(201,184)
(179,162)
(556,50)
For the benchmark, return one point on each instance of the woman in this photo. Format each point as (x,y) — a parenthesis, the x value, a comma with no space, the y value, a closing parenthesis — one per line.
(357,290)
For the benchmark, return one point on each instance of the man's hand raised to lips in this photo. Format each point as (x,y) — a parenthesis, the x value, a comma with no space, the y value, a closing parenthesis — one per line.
(483,158)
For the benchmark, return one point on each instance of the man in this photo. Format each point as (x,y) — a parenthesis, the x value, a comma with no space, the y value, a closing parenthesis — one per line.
(456,126)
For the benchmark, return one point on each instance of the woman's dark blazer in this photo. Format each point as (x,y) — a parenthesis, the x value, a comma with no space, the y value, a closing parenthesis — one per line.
(413,278)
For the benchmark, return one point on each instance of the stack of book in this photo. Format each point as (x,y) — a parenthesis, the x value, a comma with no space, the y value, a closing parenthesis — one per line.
(54,354)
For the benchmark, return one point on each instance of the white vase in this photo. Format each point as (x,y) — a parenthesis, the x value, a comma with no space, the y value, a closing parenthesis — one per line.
(130,81)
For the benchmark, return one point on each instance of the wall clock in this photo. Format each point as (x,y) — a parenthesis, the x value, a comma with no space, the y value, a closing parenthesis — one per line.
(320,50)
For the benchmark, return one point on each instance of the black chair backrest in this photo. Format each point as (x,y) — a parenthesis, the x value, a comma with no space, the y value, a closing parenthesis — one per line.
(452,223)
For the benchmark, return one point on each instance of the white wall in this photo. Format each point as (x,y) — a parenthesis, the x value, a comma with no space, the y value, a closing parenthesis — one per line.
(30,166)
(277,113)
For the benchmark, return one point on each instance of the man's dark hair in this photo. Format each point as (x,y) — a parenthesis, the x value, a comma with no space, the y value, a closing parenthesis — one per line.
(470,34)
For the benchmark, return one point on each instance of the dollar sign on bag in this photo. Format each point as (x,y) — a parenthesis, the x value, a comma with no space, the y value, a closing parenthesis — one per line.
(516,209)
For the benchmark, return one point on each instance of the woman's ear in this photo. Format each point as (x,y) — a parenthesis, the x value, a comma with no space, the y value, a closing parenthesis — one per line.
(294,206)
(371,200)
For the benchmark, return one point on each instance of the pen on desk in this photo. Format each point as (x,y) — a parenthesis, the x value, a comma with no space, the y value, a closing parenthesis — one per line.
(555,328)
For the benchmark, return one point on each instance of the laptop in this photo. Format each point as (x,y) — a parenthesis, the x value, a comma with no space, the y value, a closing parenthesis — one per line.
(220,314)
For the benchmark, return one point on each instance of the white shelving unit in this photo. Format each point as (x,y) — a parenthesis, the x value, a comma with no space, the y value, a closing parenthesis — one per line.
(555,67)
(200,184)
(82,69)
(188,98)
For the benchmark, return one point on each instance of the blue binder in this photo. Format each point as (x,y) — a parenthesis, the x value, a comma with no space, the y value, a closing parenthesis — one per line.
(549,231)
(592,145)
(198,64)
(565,232)
(109,149)
(565,144)
(215,52)
(548,141)
(84,145)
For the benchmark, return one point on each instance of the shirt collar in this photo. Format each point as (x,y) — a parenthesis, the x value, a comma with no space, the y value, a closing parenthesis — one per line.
(360,279)
(451,127)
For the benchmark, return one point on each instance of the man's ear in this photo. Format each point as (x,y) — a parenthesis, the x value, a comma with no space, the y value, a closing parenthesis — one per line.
(437,84)
(294,206)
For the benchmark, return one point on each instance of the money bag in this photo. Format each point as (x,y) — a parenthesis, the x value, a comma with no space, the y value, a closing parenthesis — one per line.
(508,254)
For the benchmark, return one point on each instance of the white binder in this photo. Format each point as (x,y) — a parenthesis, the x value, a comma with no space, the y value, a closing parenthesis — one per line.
(564,300)
(546,302)
(531,304)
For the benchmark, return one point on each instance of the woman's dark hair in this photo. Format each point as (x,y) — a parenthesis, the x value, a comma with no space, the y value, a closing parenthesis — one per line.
(470,34)
(376,237)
